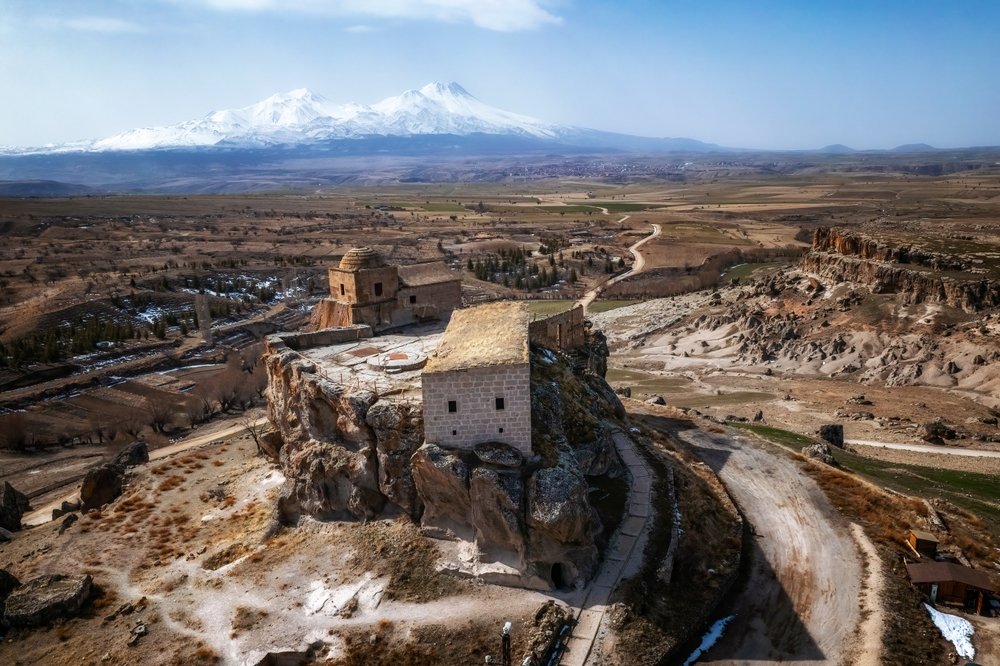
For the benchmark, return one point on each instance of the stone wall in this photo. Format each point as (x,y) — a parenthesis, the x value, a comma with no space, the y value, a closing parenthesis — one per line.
(476,419)
(359,286)
(560,331)
(328,336)
(426,302)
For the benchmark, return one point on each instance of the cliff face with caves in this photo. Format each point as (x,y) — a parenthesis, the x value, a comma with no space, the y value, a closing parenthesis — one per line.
(348,454)
(916,275)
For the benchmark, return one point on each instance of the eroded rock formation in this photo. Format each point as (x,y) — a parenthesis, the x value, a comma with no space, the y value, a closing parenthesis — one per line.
(347,454)
(917,275)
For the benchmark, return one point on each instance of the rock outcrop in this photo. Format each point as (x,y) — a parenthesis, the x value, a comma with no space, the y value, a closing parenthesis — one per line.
(916,275)
(45,598)
(13,505)
(103,483)
(349,455)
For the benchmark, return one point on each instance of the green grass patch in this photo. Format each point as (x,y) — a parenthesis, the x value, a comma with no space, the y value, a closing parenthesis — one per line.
(570,208)
(745,270)
(549,307)
(435,207)
(786,438)
(626,206)
(604,306)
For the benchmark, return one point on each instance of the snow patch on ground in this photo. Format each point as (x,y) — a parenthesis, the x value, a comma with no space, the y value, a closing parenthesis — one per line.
(709,639)
(955,629)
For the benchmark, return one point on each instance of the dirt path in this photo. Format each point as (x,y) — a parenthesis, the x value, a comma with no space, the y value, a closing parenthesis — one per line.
(800,604)
(638,266)
(53,500)
(868,648)
(926,448)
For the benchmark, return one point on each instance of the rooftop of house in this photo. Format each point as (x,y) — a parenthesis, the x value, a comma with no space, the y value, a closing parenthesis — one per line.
(939,572)
(485,335)
(433,272)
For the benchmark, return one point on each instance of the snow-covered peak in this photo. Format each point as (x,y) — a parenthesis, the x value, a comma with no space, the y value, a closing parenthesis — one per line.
(301,117)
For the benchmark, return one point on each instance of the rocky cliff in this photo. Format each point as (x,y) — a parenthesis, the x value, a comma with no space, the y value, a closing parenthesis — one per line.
(917,275)
(349,454)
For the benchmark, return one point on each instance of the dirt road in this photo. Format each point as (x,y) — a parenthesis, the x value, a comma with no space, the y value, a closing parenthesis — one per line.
(927,448)
(42,513)
(801,602)
(638,266)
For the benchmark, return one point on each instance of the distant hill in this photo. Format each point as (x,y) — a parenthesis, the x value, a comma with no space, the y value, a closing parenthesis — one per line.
(913,148)
(836,149)
(41,188)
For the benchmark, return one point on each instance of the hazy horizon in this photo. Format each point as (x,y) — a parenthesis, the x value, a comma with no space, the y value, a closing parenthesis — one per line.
(768,75)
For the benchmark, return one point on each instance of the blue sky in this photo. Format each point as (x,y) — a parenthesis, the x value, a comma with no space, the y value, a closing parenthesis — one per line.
(754,73)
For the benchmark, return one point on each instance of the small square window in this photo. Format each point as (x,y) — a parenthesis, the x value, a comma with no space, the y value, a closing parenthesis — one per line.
(413,298)
(499,404)
(378,288)
(454,432)
(452,406)
(500,430)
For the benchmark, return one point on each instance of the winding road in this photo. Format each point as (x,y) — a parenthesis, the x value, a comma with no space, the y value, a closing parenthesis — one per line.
(926,448)
(801,602)
(638,266)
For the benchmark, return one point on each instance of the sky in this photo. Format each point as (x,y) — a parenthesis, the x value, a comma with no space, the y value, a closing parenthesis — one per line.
(768,74)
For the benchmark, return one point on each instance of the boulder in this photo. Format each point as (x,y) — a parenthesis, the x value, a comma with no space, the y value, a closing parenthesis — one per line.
(557,503)
(101,485)
(8,583)
(13,505)
(656,400)
(5,535)
(329,482)
(820,452)
(936,431)
(832,433)
(499,454)
(399,432)
(758,417)
(46,598)
(497,500)
(136,453)
(442,482)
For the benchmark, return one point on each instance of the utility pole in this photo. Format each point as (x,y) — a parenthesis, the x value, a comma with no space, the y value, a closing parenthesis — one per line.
(505,643)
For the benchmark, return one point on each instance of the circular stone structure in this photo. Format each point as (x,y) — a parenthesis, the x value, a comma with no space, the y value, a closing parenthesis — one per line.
(399,361)
(360,258)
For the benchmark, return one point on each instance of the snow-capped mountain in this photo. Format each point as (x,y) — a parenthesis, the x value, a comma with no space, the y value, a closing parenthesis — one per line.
(303,117)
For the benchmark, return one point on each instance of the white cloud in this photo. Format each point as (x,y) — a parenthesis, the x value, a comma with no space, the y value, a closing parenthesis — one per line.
(500,15)
(101,24)
(359,29)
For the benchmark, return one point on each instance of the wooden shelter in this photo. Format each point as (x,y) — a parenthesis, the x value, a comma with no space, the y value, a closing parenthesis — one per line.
(952,583)
(923,543)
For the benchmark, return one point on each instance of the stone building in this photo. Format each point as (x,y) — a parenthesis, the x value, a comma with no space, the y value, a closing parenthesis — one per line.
(366,290)
(476,387)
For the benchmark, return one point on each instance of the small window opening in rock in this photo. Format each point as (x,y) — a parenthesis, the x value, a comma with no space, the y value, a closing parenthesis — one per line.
(452,406)
(500,430)
(499,403)
(378,288)
(342,289)
(413,298)
(454,432)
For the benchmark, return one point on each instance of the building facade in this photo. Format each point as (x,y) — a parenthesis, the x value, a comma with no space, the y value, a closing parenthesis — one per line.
(365,290)
(477,385)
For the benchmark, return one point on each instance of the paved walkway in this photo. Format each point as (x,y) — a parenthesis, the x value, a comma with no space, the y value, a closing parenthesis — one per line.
(624,556)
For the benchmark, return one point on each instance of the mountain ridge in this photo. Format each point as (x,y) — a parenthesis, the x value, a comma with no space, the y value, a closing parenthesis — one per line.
(302,117)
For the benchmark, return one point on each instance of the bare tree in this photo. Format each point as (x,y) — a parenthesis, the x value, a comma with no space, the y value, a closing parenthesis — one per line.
(256,425)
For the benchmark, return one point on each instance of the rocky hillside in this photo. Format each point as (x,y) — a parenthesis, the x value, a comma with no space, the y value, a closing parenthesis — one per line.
(349,454)
(915,274)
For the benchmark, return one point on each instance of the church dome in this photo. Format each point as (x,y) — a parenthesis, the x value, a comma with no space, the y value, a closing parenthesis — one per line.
(359,258)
